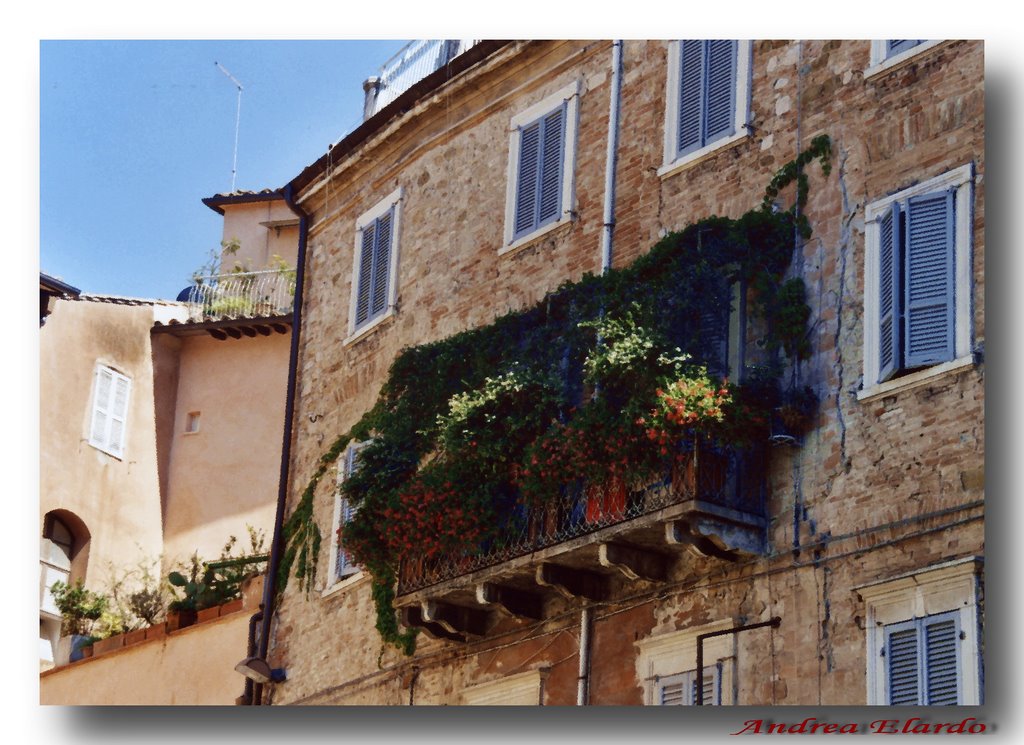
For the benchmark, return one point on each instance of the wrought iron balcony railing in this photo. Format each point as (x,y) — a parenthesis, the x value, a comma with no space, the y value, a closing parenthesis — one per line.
(730,478)
(261,294)
(412,63)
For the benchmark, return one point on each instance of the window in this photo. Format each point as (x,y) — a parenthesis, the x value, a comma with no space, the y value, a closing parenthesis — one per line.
(192,422)
(708,98)
(111,391)
(667,665)
(918,279)
(375,267)
(681,689)
(542,149)
(922,637)
(921,661)
(342,564)
(522,689)
(888,53)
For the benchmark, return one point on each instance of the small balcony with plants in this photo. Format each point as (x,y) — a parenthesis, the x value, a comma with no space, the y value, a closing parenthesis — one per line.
(268,293)
(594,439)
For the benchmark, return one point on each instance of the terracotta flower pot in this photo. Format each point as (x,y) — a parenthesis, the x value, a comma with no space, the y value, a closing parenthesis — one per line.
(179,619)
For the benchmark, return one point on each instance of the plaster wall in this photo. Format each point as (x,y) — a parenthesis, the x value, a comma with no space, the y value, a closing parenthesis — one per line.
(224,476)
(118,499)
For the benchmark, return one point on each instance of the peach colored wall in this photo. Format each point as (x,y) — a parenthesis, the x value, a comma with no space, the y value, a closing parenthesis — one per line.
(193,666)
(225,476)
(258,242)
(117,498)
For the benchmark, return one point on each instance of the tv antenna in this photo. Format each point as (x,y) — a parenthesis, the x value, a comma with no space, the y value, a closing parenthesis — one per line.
(238,119)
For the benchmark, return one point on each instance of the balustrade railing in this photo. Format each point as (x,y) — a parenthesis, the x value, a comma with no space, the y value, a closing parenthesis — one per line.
(242,294)
(722,476)
(412,63)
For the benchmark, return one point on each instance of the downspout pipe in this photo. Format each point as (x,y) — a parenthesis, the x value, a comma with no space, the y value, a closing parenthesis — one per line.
(277,545)
(250,649)
(583,681)
(612,157)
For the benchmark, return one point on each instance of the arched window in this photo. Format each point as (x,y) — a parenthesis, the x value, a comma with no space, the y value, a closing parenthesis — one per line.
(62,554)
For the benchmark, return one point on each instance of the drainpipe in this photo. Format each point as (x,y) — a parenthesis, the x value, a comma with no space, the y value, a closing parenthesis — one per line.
(276,546)
(612,156)
(583,682)
(250,650)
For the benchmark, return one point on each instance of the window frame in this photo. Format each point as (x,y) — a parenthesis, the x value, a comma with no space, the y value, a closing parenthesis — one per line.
(351,572)
(95,407)
(949,588)
(667,657)
(961,180)
(567,96)
(672,162)
(881,61)
(365,220)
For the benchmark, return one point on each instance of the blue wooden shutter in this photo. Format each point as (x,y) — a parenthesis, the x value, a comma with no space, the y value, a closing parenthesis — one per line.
(382,264)
(550,190)
(720,90)
(890,326)
(903,663)
(526,178)
(895,46)
(942,659)
(364,279)
(928,292)
(691,96)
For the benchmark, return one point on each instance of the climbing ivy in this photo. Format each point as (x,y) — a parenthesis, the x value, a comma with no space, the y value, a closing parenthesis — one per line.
(457,420)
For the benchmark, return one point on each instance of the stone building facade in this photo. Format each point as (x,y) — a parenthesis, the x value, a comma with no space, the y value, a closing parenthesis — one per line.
(873,523)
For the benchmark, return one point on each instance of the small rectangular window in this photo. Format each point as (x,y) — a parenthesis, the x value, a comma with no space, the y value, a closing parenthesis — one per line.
(375,263)
(344,566)
(192,423)
(111,393)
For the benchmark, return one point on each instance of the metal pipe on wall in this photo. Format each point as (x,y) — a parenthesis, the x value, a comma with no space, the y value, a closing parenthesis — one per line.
(611,157)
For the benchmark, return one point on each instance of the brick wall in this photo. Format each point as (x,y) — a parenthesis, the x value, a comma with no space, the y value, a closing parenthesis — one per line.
(849,507)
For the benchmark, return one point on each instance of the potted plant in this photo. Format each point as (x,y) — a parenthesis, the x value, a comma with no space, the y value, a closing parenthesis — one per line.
(793,416)
(80,609)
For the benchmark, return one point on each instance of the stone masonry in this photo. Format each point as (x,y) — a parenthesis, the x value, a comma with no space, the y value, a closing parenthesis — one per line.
(880,488)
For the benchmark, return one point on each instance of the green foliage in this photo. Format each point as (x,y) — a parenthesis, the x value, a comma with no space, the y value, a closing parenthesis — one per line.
(569,389)
(80,609)
(207,584)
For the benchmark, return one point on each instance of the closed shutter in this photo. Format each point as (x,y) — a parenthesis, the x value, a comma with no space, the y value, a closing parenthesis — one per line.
(707,92)
(903,663)
(942,682)
(109,411)
(100,407)
(923,661)
(540,172)
(118,414)
(890,326)
(895,46)
(720,90)
(343,564)
(526,182)
(382,264)
(714,339)
(691,95)
(365,273)
(928,280)
(550,197)
(681,689)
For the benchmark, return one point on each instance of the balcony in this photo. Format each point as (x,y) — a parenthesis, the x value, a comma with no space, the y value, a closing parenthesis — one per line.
(264,294)
(410,64)
(712,503)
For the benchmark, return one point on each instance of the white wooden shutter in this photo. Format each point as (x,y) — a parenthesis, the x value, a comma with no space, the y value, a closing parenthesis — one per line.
(111,395)
(923,661)
(681,689)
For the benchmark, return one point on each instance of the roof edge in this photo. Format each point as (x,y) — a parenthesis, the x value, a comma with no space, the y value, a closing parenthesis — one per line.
(267,195)
(399,106)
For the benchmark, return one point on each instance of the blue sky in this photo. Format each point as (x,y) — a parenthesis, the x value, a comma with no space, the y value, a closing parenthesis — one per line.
(133,134)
